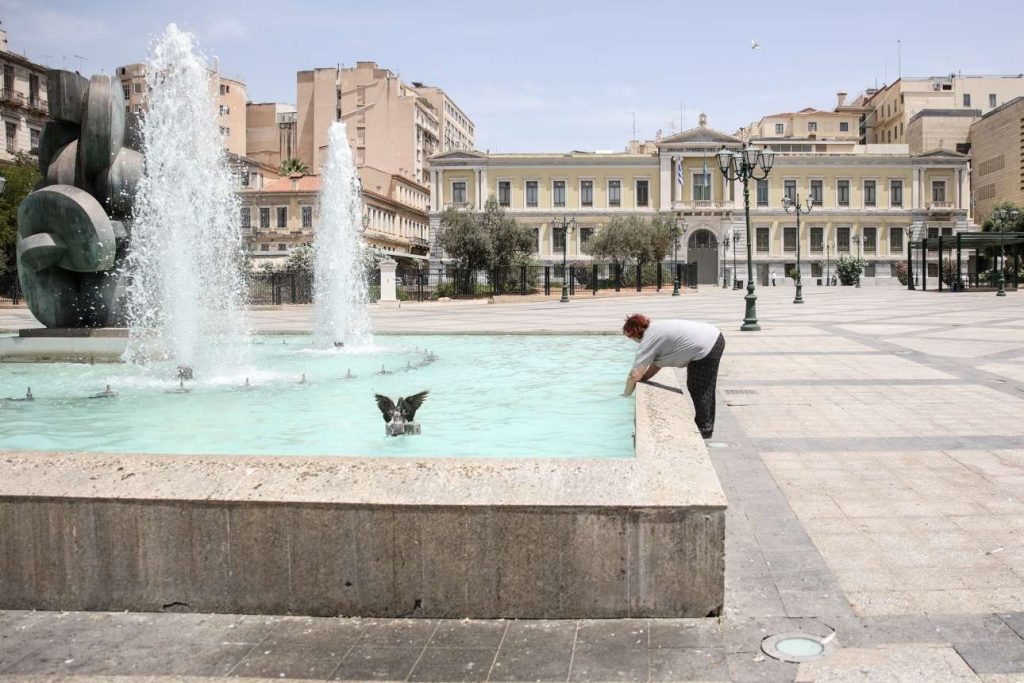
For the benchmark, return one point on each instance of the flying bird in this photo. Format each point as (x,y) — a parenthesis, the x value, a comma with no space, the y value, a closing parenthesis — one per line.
(400,418)
(754,45)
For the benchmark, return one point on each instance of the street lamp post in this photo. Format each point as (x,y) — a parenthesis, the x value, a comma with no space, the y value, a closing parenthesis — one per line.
(910,259)
(568,227)
(858,239)
(750,163)
(735,241)
(793,206)
(725,256)
(678,230)
(828,264)
(1003,215)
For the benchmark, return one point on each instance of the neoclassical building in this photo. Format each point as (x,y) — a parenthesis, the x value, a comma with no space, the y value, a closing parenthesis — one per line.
(865,198)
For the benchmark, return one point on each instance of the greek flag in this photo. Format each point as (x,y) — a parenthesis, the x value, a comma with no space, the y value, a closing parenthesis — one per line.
(707,178)
(679,171)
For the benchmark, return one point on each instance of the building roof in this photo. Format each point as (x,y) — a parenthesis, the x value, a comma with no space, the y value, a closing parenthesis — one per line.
(296,182)
(946,113)
(1003,106)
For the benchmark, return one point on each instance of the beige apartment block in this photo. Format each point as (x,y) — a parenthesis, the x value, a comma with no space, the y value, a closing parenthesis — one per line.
(893,106)
(281,215)
(997,149)
(806,124)
(229,96)
(940,129)
(865,198)
(456,128)
(391,125)
(23,102)
(270,135)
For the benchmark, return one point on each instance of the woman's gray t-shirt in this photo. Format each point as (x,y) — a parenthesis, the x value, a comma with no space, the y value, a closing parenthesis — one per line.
(674,343)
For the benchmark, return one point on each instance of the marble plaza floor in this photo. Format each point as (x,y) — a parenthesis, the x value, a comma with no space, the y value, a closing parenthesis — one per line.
(872,449)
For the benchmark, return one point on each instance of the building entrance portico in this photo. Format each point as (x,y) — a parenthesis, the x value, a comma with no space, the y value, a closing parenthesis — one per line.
(702,249)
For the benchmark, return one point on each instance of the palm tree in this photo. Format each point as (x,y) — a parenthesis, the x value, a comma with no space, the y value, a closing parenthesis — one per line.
(294,165)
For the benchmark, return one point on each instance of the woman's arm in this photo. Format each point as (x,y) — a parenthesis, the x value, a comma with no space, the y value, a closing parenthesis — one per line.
(638,375)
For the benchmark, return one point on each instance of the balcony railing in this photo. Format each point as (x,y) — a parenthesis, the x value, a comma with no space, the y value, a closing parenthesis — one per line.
(940,206)
(38,104)
(11,96)
(700,205)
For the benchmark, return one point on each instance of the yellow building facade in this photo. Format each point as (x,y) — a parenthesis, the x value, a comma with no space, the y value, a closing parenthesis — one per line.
(865,197)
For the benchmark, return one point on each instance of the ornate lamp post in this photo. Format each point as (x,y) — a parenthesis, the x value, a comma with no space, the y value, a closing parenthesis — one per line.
(1003,215)
(858,239)
(568,227)
(750,163)
(678,230)
(725,255)
(792,206)
(735,241)
(910,259)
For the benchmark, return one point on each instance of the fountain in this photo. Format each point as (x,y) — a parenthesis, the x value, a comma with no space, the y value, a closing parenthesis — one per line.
(340,293)
(186,298)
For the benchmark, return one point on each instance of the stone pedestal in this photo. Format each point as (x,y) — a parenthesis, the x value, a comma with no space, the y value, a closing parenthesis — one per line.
(388,290)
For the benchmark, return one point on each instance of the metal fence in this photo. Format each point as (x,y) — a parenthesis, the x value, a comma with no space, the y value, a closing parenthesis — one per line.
(451,281)
(10,289)
(275,289)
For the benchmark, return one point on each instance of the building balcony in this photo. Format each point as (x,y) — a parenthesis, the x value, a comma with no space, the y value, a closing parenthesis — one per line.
(458,205)
(10,96)
(943,207)
(701,205)
(38,105)
(419,242)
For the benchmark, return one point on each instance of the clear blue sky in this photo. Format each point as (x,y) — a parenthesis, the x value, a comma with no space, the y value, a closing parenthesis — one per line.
(553,76)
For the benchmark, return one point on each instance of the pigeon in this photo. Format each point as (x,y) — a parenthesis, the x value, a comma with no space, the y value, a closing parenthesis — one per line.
(754,45)
(400,417)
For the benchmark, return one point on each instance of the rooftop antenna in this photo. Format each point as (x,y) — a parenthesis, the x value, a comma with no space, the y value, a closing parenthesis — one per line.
(899,59)
(682,117)
(80,59)
(634,125)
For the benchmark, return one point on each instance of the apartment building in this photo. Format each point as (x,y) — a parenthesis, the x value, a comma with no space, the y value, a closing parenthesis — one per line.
(23,102)
(229,96)
(997,148)
(456,129)
(283,214)
(868,199)
(270,135)
(392,125)
(893,106)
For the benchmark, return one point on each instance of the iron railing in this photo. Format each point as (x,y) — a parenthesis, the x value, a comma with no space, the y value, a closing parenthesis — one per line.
(10,289)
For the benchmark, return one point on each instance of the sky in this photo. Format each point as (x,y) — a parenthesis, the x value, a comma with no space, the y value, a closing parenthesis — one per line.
(554,76)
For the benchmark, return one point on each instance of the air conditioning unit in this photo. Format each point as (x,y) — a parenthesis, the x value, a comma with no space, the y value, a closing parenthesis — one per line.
(936,86)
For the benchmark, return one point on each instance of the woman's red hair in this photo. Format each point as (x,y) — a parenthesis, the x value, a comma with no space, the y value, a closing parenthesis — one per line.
(636,325)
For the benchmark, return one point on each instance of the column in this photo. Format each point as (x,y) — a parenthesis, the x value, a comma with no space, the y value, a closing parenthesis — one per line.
(435,190)
(916,189)
(483,189)
(665,188)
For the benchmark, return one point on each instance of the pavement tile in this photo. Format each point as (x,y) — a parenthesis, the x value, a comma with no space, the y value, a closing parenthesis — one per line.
(453,664)
(535,662)
(686,633)
(973,627)
(315,632)
(627,633)
(610,662)
(756,667)
(993,657)
(372,662)
(528,633)
(398,632)
(470,633)
(283,661)
(682,664)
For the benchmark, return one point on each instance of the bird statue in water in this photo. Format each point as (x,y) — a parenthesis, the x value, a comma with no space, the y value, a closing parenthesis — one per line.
(400,417)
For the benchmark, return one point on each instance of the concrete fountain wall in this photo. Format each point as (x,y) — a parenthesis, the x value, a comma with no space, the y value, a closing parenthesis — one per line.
(480,538)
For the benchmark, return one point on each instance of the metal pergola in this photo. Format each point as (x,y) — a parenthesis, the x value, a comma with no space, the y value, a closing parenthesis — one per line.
(1010,243)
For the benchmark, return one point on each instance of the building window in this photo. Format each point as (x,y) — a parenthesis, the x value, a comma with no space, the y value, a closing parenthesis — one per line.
(225,131)
(12,132)
(558,193)
(245,217)
(459,192)
(126,90)
(843,192)
(701,187)
(895,193)
(33,140)
(244,177)
(817,240)
(307,217)
(762,240)
(264,217)
(586,193)
(138,88)
(992,100)
(224,89)
(586,234)
(642,193)
(282,216)
(844,126)
(762,192)
(789,239)
(843,239)
(557,238)
(225,110)
(895,240)
(933,268)
(614,193)
(789,190)
(939,191)
(812,126)
(531,193)
(870,240)
(780,128)
(281,246)
(264,247)
(869,193)
(816,192)
(967,99)
(505,193)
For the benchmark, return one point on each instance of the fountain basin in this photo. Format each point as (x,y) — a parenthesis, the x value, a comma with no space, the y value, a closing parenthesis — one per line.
(638,536)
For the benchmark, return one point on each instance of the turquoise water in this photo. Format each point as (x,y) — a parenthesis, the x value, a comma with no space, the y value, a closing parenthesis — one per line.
(490,396)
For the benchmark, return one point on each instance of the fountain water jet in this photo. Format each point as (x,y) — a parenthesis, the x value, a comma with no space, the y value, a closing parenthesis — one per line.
(186,298)
(340,290)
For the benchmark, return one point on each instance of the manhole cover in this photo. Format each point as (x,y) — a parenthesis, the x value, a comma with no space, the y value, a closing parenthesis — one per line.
(797,647)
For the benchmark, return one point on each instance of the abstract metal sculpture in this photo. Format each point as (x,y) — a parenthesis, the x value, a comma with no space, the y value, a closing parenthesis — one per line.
(74,229)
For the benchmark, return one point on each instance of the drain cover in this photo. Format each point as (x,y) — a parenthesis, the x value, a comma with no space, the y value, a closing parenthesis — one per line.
(797,647)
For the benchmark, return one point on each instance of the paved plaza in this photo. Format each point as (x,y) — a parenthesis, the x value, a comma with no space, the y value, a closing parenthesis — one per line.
(871,446)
